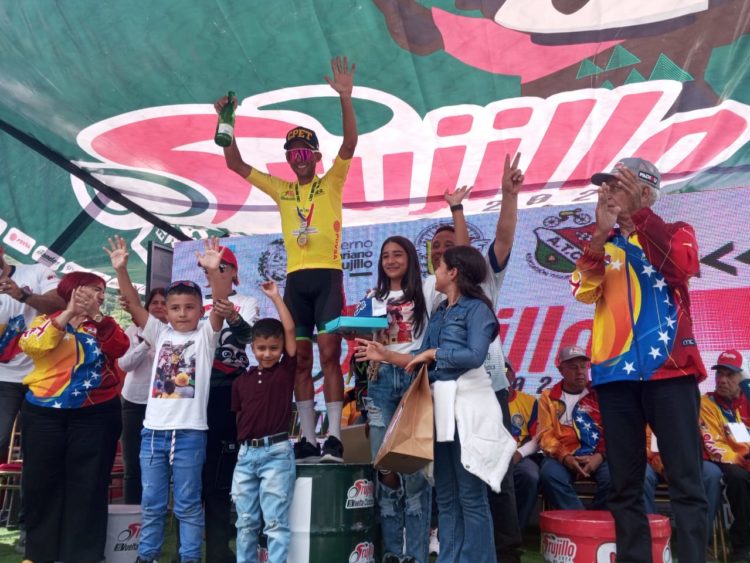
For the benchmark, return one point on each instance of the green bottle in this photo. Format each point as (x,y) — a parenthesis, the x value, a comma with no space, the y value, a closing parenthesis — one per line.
(225,125)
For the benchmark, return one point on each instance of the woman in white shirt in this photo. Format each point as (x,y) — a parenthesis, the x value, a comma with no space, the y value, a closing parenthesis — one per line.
(137,362)
(404,500)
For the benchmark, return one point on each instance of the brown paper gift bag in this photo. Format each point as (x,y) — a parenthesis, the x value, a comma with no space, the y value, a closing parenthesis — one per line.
(407,446)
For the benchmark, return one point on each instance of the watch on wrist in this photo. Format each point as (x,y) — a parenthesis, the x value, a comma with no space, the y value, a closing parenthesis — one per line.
(25,294)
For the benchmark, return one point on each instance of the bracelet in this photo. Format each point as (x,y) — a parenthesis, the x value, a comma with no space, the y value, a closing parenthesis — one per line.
(457,207)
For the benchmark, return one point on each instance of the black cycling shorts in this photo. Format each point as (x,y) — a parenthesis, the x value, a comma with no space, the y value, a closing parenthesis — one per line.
(314,297)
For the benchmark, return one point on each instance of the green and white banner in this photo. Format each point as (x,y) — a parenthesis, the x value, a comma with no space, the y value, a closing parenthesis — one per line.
(443,90)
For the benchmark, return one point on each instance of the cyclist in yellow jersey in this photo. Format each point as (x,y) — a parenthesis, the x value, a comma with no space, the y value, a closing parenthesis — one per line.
(311,223)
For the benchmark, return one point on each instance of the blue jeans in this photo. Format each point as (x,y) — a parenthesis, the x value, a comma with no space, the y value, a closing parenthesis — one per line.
(557,485)
(407,508)
(464,518)
(262,489)
(711,484)
(526,481)
(187,449)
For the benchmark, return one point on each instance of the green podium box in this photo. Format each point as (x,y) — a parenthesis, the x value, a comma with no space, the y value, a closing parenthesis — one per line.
(333,514)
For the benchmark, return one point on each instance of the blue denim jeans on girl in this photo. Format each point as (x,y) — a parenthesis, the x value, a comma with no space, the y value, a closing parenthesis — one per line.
(407,508)
(180,453)
(262,489)
(464,518)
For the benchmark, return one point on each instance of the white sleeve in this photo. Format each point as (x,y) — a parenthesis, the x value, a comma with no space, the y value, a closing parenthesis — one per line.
(46,279)
(249,309)
(134,357)
(153,329)
(432,296)
(529,448)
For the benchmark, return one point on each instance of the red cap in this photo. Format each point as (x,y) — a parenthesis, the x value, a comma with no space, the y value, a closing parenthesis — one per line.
(570,352)
(730,359)
(228,257)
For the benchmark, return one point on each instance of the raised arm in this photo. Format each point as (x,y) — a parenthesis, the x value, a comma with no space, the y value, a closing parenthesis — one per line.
(343,83)
(461,230)
(232,153)
(118,255)
(210,261)
(586,281)
(44,303)
(290,341)
(505,230)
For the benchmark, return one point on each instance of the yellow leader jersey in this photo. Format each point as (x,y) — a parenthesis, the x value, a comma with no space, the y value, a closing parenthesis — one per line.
(317,204)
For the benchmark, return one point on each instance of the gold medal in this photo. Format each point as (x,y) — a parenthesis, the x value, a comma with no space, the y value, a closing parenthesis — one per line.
(302,239)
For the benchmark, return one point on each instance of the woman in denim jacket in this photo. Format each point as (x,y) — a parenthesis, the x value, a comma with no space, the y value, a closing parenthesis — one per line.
(456,342)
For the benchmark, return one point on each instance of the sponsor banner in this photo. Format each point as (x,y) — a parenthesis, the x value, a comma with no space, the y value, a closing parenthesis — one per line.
(537,312)
(577,88)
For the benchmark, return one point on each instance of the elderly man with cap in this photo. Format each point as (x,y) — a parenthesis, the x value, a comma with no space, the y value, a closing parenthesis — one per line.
(311,222)
(570,434)
(725,418)
(230,361)
(645,363)
(25,292)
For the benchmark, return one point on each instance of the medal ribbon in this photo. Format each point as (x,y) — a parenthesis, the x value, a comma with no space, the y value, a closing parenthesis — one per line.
(307,219)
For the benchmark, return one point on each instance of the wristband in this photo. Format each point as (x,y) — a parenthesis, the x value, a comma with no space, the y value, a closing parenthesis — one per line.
(457,207)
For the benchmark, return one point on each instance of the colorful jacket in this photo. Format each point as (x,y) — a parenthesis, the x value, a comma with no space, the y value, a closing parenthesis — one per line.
(715,414)
(584,437)
(73,368)
(642,326)
(523,415)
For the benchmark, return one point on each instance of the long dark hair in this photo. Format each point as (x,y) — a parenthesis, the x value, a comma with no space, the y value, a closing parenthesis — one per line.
(411,284)
(472,271)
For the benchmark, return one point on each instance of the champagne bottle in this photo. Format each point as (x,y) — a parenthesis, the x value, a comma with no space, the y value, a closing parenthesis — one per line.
(225,125)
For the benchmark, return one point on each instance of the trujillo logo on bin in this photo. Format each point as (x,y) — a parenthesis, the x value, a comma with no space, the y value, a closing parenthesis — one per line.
(557,549)
(127,539)
(364,552)
(361,494)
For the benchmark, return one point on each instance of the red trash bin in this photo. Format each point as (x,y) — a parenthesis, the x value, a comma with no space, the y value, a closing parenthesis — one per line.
(588,536)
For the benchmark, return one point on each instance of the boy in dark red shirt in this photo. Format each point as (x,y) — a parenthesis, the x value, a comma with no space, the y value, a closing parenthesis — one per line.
(263,482)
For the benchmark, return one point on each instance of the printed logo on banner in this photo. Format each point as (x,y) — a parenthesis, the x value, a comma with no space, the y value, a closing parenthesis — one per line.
(424,240)
(360,495)
(357,257)
(559,247)
(557,549)
(20,241)
(364,552)
(272,262)
(45,256)
(127,539)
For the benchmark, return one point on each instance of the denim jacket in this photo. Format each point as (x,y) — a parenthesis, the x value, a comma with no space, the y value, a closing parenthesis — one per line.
(462,334)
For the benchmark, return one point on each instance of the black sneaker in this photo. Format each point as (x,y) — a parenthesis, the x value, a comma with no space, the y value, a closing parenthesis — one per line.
(333,451)
(305,452)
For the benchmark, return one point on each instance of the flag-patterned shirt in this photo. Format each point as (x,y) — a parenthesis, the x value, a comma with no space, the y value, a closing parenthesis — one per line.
(642,326)
(584,436)
(715,415)
(73,368)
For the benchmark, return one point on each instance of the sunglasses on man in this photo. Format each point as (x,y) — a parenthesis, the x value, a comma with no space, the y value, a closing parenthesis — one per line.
(300,155)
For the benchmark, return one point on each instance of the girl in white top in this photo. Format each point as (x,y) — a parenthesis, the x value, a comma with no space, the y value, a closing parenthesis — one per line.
(137,363)
(404,500)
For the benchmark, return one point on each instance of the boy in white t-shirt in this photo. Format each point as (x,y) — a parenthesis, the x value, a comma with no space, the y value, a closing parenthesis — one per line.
(174,430)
